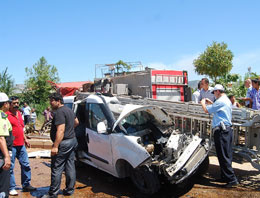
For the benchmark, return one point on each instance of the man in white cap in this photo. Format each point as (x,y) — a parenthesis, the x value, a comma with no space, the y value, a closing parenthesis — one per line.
(5,146)
(222,130)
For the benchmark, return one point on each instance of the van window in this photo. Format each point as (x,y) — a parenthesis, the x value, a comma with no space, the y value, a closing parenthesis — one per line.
(68,105)
(95,116)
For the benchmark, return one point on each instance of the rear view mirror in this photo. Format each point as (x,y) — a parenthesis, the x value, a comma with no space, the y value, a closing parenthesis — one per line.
(101,127)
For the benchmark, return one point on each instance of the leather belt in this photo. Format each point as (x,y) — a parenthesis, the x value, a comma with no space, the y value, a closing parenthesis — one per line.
(220,128)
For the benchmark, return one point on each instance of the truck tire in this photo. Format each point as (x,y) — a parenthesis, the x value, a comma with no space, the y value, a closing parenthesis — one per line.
(145,180)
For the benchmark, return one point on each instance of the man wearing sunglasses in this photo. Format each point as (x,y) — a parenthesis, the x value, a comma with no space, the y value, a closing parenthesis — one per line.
(19,150)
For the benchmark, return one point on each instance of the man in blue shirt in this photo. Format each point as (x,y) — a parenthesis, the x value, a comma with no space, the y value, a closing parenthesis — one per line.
(255,95)
(221,125)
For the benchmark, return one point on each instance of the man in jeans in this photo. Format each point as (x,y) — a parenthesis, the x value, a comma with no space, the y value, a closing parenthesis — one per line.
(26,113)
(19,150)
(63,148)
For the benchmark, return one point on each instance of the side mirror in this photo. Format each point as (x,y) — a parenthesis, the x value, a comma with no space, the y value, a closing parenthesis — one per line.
(101,127)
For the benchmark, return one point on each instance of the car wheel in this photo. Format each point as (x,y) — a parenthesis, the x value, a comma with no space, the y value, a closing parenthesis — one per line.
(145,180)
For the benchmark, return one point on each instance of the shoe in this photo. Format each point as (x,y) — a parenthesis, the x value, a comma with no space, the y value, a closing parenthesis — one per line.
(13,192)
(231,184)
(221,180)
(66,193)
(28,188)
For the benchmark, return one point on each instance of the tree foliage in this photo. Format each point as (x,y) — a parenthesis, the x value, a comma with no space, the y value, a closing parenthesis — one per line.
(6,82)
(37,88)
(233,84)
(215,61)
(121,65)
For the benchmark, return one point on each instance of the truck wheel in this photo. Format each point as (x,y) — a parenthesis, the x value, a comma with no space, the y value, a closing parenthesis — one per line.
(145,180)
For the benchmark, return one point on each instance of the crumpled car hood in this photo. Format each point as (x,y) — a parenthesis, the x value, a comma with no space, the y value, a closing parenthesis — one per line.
(161,116)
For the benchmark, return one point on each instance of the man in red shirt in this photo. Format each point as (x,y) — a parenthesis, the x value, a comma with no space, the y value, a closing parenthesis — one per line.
(19,150)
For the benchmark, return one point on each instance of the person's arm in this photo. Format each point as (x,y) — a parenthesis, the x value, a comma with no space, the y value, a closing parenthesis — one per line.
(76,122)
(58,139)
(47,116)
(27,143)
(245,99)
(208,101)
(203,104)
(3,148)
(251,104)
(50,115)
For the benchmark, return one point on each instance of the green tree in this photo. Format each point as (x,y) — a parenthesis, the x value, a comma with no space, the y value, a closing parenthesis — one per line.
(215,61)
(121,65)
(6,82)
(233,84)
(37,88)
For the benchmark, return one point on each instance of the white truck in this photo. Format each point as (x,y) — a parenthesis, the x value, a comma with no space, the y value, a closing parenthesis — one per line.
(69,101)
(136,141)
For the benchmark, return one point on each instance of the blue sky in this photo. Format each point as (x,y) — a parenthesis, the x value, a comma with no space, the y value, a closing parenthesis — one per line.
(166,34)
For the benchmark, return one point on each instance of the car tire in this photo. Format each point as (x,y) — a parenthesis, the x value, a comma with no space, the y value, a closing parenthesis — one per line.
(145,180)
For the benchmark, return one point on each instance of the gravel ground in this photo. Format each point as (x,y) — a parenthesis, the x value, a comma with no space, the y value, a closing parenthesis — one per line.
(95,183)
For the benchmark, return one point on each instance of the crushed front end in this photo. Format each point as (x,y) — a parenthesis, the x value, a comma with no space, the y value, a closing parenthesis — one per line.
(178,156)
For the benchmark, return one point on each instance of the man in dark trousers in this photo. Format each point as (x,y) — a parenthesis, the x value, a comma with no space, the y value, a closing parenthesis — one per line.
(223,133)
(63,148)
(6,142)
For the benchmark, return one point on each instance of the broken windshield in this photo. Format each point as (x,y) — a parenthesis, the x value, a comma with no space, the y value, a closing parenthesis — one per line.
(136,121)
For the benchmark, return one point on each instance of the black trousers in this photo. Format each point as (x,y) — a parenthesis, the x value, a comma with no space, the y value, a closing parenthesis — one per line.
(4,182)
(223,145)
(63,161)
(26,119)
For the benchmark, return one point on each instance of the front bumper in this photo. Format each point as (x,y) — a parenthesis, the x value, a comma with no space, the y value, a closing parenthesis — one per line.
(188,162)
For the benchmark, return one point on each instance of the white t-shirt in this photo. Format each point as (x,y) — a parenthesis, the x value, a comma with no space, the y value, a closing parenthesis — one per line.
(27,110)
(195,96)
(234,105)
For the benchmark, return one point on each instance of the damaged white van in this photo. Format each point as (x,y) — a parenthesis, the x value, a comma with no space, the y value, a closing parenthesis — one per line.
(137,142)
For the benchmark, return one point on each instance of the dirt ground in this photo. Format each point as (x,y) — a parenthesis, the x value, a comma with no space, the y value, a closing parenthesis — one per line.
(93,183)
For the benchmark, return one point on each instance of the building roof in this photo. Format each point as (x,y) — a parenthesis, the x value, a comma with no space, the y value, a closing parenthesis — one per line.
(73,84)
